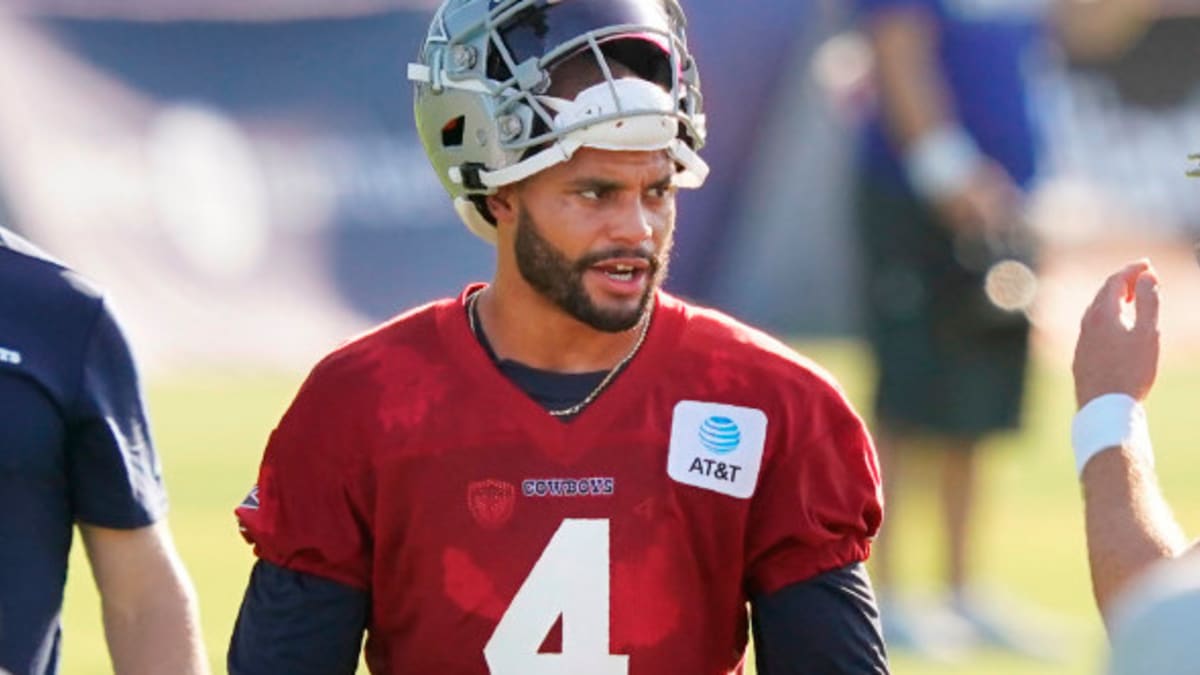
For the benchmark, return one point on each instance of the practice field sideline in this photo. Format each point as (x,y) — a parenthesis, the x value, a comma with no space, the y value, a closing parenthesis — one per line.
(211,430)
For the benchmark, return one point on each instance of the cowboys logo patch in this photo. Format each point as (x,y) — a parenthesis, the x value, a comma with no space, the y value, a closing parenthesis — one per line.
(491,502)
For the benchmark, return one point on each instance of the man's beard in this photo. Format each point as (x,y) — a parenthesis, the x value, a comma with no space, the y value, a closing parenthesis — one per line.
(561,280)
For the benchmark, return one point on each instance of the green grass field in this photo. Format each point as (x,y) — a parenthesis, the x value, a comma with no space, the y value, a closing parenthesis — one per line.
(211,429)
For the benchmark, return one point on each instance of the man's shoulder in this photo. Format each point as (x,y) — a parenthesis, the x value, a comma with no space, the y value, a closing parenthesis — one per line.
(415,325)
(714,335)
(15,244)
(714,325)
(407,339)
(36,268)
(39,289)
(708,328)
(49,315)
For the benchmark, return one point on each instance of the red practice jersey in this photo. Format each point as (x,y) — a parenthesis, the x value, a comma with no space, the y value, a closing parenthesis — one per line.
(495,538)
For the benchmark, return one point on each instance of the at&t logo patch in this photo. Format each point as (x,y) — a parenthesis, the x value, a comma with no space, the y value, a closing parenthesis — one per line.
(717,447)
(720,435)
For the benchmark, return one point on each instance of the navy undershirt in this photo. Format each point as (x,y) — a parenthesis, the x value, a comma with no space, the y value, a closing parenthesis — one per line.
(551,390)
(295,623)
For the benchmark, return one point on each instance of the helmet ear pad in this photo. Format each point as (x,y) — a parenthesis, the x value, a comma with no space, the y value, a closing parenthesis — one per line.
(470,210)
(477,139)
(479,202)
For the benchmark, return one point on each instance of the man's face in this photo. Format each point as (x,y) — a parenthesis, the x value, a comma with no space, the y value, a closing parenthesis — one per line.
(593,235)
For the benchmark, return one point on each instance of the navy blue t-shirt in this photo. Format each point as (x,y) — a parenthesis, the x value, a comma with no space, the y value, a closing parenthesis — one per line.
(74,443)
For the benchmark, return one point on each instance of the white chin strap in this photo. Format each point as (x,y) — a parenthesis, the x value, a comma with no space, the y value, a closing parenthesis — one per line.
(630,114)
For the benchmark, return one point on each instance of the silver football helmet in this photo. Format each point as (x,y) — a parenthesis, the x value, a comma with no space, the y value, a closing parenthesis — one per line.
(482,102)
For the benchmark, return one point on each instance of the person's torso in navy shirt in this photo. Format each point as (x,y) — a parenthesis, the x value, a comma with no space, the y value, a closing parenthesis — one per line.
(74,443)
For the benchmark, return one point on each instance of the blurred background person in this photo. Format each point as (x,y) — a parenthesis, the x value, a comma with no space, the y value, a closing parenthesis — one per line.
(943,171)
(946,168)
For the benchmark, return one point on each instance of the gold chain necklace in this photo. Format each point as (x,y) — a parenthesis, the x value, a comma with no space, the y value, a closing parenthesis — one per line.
(574,410)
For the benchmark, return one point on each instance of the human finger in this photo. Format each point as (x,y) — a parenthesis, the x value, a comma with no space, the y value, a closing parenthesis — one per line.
(1130,275)
(1146,300)
(1118,286)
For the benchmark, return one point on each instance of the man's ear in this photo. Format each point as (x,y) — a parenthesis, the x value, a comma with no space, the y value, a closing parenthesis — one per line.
(503,205)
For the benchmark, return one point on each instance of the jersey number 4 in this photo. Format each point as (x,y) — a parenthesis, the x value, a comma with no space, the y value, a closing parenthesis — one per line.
(570,580)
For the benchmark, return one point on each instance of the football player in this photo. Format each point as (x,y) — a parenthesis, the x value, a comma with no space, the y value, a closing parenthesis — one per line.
(565,470)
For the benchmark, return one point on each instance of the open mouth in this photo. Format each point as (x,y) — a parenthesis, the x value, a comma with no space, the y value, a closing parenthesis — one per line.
(622,270)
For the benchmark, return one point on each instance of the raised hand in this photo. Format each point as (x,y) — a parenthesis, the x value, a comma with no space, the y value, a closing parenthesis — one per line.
(1112,354)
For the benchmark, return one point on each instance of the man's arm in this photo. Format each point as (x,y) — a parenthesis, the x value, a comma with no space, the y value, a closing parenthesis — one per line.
(1101,29)
(1129,525)
(971,192)
(297,623)
(828,624)
(149,606)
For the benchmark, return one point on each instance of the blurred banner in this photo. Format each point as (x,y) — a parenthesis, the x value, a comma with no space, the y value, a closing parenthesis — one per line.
(215,10)
(245,179)
(248,190)
(255,191)
(1120,127)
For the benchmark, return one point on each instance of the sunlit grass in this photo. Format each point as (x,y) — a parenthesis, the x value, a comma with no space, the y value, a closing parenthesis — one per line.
(211,429)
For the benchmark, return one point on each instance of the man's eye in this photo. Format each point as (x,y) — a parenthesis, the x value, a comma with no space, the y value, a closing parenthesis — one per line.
(590,194)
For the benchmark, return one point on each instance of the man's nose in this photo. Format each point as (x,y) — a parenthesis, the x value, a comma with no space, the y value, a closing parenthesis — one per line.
(633,223)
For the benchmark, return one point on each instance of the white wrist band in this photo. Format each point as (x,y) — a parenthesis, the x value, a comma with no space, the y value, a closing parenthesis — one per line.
(1110,421)
(940,162)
